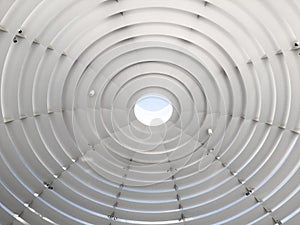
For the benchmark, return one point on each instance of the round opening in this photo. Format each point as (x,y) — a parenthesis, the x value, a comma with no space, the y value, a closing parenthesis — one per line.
(153,110)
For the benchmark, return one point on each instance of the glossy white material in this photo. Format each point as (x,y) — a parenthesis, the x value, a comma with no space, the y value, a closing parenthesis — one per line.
(72,150)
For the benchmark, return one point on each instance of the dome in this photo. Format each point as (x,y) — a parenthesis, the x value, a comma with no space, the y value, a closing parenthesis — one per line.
(149,112)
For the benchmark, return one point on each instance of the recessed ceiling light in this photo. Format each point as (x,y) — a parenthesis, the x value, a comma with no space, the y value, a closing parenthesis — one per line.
(92,93)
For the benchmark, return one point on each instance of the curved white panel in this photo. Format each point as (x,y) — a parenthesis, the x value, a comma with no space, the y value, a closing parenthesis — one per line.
(73,150)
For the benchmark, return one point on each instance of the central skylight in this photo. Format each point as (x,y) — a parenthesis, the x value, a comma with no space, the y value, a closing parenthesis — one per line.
(153,110)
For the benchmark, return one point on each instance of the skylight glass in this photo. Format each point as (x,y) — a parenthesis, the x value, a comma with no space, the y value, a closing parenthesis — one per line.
(153,110)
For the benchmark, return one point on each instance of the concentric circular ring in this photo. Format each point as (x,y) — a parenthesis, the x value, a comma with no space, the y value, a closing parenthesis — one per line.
(74,152)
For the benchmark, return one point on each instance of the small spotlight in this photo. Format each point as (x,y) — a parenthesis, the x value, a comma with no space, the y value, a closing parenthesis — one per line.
(296,45)
(92,93)
(210,131)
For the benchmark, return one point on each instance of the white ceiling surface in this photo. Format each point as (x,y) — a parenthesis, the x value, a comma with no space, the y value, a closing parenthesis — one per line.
(71,156)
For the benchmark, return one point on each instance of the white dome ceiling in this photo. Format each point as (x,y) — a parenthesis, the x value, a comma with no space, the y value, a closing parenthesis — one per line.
(73,151)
